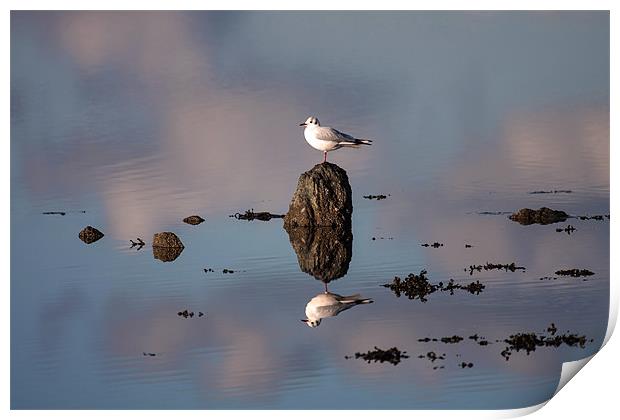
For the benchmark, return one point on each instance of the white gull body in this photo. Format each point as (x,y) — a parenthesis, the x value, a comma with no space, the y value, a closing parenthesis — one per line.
(327,139)
(325,305)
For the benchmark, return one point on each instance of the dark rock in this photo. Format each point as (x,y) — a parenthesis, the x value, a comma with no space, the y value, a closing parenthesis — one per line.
(90,234)
(543,216)
(167,240)
(322,252)
(193,220)
(322,198)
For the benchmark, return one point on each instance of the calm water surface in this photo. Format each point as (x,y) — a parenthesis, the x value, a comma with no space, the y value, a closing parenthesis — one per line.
(141,119)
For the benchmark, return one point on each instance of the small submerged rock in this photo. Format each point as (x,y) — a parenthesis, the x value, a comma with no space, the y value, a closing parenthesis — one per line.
(543,216)
(90,234)
(167,240)
(392,355)
(193,220)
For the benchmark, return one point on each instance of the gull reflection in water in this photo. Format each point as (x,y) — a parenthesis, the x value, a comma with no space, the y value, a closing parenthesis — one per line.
(326,304)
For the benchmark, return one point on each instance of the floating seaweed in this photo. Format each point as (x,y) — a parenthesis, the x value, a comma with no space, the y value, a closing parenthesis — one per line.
(491,266)
(433,245)
(418,286)
(149,354)
(598,217)
(189,314)
(139,243)
(251,215)
(575,272)
(376,197)
(393,355)
(374,238)
(62,213)
(494,213)
(551,192)
(432,356)
(468,246)
(568,229)
(530,341)
(464,365)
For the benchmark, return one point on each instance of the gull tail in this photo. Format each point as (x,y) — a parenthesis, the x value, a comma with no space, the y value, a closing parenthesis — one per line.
(355,143)
(357,299)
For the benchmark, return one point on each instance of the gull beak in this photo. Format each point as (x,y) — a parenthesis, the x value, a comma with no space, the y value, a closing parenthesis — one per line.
(303,320)
(303,124)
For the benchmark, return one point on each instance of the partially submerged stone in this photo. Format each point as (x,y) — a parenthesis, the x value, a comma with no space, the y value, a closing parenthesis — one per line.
(90,234)
(167,246)
(193,220)
(322,198)
(543,216)
(167,240)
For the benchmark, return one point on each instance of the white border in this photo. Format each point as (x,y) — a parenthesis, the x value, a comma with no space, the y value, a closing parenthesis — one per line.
(592,395)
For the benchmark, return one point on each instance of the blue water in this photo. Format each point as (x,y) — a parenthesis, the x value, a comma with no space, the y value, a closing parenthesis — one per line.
(143,118)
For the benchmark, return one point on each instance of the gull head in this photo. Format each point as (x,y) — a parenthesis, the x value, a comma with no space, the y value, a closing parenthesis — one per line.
(311,121)
(312,323)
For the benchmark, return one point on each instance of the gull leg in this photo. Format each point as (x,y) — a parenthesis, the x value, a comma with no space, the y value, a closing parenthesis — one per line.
(325,156)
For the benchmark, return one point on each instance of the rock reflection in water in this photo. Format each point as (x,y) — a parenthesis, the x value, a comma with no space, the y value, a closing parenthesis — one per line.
(166,254)
(322,252)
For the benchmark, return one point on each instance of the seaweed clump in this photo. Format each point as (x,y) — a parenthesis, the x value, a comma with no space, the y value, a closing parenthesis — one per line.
(530,341)
(491,266)
(417,286)
(392,355)
(252,215)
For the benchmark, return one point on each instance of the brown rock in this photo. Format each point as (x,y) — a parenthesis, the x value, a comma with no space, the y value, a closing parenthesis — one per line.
(90,234)
(193,220)
(322,198)
(543,216)
(167,240)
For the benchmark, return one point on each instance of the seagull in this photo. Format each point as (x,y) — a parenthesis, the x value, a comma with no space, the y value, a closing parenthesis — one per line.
(326,304)
(327,138)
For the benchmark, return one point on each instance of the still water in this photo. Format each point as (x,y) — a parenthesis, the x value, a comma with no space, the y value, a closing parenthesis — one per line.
(141,119)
